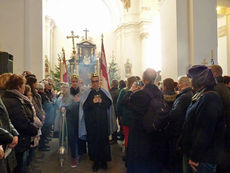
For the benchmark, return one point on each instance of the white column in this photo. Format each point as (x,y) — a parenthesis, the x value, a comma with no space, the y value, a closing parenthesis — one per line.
(204,30)
(222,43)
(33,37)
(144,44)
(228,44)
(168,14)
(189,33)
(47,37)
(128,41)
(53,58)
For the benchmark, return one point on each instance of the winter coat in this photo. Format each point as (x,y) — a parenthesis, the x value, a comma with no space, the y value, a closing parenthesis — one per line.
(203,134)
(224,94)
(144,147)
(2,91)
(122,109)
(177,114)
(7,132)
(21,115)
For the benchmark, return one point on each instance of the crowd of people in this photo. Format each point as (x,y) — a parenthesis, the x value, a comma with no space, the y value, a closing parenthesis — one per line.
(168,126)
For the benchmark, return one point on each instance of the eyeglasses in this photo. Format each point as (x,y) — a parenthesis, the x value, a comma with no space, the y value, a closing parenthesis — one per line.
(94,81)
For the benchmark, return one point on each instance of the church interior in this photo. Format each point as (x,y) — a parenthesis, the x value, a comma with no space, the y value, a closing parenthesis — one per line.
(167,35)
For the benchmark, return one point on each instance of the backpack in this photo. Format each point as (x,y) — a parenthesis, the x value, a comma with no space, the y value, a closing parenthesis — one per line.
(156,119)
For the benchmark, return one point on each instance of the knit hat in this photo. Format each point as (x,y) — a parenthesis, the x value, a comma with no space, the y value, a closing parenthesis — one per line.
(201,76)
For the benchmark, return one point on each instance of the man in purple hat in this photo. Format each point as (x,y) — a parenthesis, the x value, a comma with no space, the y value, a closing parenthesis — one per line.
(204,124)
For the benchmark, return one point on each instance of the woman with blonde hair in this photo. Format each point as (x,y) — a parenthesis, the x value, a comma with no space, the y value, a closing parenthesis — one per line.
(3,79)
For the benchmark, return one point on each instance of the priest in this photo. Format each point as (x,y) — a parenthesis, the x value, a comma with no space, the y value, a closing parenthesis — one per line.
(97,122)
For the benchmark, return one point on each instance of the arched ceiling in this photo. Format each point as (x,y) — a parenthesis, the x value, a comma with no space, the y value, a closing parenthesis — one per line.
(93,13)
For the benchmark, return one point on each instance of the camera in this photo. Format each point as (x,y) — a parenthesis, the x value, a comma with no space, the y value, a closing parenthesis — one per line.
(140,83)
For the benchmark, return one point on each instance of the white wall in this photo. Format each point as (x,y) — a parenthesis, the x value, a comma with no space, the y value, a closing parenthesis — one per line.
(21,34)
(12,31)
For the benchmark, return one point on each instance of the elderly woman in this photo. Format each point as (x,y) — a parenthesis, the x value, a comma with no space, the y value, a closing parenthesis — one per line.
(20,113)
(204,124)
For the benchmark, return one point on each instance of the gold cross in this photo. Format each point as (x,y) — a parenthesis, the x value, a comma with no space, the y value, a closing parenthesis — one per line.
(73,37)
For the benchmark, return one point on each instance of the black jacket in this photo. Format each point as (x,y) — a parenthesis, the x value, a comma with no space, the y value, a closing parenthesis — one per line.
(144,147)
(20,113)
(177,114)
(7,130)
(203,134)
(224,94)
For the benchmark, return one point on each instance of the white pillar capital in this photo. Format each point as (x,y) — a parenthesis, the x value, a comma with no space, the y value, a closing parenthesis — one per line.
(144,35)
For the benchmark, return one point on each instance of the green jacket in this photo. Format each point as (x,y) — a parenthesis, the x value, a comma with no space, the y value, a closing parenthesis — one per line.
(122,110)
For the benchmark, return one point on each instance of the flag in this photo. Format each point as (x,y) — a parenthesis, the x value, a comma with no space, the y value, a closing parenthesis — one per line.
(104,74)
(64,68)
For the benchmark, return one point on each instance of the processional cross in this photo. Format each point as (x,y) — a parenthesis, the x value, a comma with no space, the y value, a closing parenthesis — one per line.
(86,30)
(74,51)
(73,37)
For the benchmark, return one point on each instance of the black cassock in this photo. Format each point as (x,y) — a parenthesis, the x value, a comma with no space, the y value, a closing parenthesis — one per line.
(96,120)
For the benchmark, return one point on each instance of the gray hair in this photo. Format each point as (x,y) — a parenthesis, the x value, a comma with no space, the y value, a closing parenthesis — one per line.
(40,86)
(149,75)
(184,80)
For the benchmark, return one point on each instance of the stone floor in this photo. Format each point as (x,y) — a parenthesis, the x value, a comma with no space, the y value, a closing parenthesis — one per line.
(50,163)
